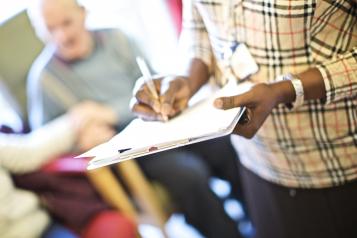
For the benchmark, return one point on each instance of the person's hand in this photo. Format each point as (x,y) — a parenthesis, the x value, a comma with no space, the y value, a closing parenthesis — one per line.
(88,112)
(93,124)
(173,91)
(259,101)
(94,134)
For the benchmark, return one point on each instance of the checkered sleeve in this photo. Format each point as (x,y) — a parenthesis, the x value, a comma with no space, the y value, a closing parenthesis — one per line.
(194,40)
(340,76)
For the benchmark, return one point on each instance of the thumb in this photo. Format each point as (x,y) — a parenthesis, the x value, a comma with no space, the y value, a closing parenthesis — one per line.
(240,100)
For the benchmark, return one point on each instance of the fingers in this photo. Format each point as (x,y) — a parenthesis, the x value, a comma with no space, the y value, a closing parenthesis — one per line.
(250,123)
(175,94)
(106,115)
(178,107)
(240,100)
(169,90)
(146,113)
(143,94)
(246,126)
(247,131)
(246,117)
(93,135)
(88,112)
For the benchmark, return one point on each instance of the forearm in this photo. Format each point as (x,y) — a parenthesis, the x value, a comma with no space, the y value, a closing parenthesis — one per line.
(312,82)
(197,75)
(27,153)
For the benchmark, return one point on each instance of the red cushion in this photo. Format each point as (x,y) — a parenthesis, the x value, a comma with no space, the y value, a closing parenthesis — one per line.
(66,164)
(110,224)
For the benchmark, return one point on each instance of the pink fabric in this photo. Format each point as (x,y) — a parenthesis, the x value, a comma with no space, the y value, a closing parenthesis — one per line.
(66,165)
(110,224)
(175,7)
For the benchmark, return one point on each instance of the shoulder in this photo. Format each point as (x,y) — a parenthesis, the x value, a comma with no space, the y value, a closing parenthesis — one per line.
(109,32)
(113,36)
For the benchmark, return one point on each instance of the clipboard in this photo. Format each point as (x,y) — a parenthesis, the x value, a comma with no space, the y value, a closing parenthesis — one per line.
(199,122)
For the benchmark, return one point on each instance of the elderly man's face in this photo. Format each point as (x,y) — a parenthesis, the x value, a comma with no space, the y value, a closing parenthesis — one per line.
(65,21)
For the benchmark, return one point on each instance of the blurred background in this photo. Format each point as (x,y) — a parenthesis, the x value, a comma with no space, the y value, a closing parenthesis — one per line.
(154,24)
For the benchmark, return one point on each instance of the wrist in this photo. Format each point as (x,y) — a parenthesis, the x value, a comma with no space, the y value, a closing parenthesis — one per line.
(284,92)
(192,86)
(314,86)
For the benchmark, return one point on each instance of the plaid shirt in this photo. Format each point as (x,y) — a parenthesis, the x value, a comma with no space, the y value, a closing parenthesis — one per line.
(314,146)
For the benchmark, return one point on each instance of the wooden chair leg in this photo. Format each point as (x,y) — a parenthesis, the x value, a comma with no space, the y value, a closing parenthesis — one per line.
(143,191)
(112,192)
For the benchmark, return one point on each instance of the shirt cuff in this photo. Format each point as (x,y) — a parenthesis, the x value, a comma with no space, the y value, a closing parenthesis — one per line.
(340,76)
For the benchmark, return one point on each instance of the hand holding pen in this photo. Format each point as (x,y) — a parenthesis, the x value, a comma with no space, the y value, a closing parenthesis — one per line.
(159,98)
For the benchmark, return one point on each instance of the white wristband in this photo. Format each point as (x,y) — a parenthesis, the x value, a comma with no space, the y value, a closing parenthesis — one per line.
(299,91)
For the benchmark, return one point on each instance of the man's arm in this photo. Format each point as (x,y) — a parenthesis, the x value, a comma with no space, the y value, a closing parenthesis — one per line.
(313,85)
(197,75)
(27,153)
(332,81)
(195,48)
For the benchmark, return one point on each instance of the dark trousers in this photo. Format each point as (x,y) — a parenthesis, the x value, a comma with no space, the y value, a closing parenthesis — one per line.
(185,172)
(280,212)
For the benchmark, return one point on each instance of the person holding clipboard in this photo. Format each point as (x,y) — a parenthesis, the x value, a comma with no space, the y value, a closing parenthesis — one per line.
(100,66)
(297,143)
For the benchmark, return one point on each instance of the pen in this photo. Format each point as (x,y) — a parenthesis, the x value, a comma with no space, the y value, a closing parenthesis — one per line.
(147,76)
(148,80)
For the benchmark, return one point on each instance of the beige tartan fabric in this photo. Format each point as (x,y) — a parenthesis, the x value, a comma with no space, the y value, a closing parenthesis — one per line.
(316,145)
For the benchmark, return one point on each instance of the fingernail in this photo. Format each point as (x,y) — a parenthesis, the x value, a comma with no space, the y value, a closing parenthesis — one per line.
(218,103)
(165,118)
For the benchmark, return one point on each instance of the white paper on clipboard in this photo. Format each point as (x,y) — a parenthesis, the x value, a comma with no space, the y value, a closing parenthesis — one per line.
(200,122)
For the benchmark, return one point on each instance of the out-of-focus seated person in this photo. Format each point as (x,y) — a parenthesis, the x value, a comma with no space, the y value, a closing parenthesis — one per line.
(24,154)
(20,212)
(77,64)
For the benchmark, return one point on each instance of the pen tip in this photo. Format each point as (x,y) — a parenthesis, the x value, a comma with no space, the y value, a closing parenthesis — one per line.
(165,118)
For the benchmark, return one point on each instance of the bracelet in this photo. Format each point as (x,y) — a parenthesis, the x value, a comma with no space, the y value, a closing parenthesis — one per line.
(299,91)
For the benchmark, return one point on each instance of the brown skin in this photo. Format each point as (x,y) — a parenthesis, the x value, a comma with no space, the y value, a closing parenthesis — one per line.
(259,100)
(262,98)
(174,91)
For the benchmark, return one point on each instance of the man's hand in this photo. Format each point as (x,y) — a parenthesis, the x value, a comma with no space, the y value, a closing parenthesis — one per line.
(89,111)
(259,101)
(94,134)
(93,123)
(173,91)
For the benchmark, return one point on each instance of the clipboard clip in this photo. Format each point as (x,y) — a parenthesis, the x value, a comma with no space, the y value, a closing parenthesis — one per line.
(123,150)
(245,117)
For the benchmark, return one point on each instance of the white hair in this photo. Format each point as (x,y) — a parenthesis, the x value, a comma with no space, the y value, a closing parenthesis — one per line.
(34,12)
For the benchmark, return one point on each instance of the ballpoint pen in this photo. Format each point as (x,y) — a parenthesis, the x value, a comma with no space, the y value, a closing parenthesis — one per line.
(148,80)
(147,76)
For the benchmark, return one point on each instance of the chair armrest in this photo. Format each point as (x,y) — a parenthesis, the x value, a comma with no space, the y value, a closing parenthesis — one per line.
(66,165)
